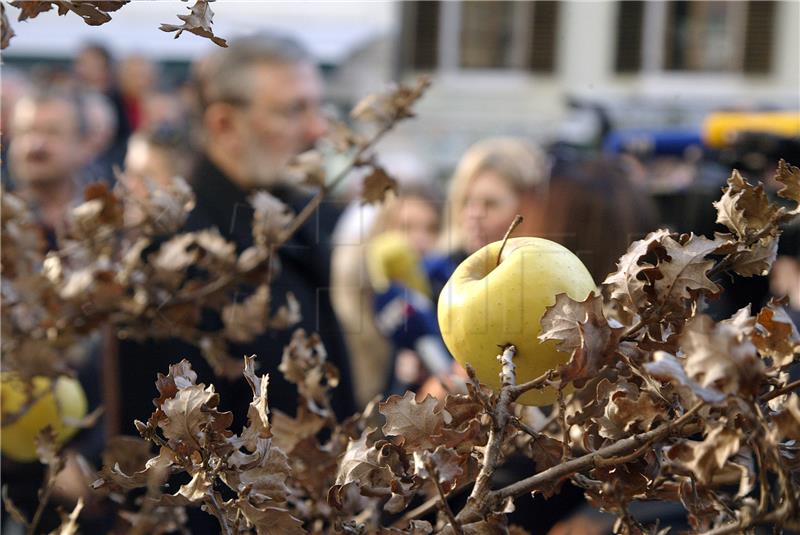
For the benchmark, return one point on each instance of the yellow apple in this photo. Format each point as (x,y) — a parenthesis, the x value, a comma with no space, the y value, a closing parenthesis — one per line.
(49,404)
(486,306)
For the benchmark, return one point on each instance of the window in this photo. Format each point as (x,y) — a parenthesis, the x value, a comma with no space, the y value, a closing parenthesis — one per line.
(480,35)
(486,35)
(695,36)
(704,36)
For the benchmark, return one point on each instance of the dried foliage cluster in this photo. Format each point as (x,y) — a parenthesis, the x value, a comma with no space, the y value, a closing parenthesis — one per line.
(657,402)
(663,404)
(199,21)
(122,263)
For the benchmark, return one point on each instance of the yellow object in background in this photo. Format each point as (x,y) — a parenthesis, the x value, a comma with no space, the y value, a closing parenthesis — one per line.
(50,404)
(721,129)
(390,258)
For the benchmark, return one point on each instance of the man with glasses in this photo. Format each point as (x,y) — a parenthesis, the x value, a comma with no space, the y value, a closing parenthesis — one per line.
(260,106)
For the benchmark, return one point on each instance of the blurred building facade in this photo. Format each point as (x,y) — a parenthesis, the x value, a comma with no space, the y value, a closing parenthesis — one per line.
(500,67)
(512,67)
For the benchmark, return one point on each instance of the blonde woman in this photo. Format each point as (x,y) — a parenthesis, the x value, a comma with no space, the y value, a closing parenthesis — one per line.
(496,179)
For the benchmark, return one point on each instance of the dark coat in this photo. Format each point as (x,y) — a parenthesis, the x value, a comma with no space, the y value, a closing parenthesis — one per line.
(305,271)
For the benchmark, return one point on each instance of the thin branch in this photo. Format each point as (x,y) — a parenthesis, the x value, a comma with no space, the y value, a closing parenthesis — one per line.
(44,499)
(426,507)
(443,498)
(794,385)
(625,446)
(218,512)
(562,415)
(515,391)
(500,417)
(779,516)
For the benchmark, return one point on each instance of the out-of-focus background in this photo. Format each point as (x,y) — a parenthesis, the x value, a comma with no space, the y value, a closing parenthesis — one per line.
(599,121)
(499,67)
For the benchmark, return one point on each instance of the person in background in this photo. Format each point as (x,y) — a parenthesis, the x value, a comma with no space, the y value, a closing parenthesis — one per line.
(137,76)
(94,70)
(47,154)
(49,131)
(496,179)
(154,159)
(595,210)
(101,122)
(158,155)
(15,84)
(410,219)
(260,106)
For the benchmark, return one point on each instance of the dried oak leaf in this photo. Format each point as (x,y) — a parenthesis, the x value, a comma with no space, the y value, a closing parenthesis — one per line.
(756,259)
(707,457)
(721,357)
(287,315)
(6,32)
(246,320)
(307,168)
(218,253)
(179,376)
(176,254)
(155,469)
(627,283)
(258,426)
(789,177)
(198,22)
(669,369)
(270,520)
(263,474)
(270,218)
(786,422)
(215,351)
(580,328)
(189,415)
(197,489)
(361,467)
(414,423)
(746,210)
(446,462)
(29,9)
(628,411)
(686,269)
(69,522)
(166,208)
(545,451)
(129,454)
(775,334)
(304,363)
(376,185)
(288,432)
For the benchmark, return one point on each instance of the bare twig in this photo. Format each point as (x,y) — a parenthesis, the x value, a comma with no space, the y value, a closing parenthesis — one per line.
(780,516)
(500,417)
(44,498)
(562,414)
(443,498)
(219,513)
(515,391)
(475,509)
(794,385)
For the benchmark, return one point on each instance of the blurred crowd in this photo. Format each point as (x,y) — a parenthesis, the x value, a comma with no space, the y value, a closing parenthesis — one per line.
(367,277)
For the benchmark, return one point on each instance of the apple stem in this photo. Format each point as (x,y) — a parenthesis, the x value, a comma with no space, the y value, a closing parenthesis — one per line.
(514,224)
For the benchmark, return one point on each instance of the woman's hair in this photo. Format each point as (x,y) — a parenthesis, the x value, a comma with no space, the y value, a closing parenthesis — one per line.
(593,209)
(523,164)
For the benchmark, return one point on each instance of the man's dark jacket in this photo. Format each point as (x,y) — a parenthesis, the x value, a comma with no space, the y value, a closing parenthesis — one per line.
(304,270)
